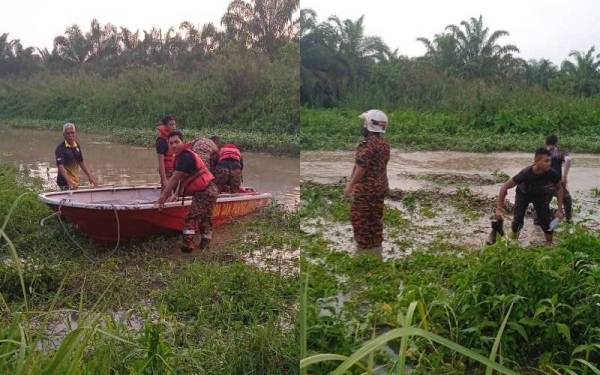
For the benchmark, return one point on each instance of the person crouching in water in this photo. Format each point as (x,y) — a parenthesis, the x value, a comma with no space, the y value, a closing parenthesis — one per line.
(196,180)
(166,158)
(368,182)
(532,185)
(228,173)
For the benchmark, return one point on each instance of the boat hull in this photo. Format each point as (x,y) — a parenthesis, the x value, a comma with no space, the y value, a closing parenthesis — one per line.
(110,222)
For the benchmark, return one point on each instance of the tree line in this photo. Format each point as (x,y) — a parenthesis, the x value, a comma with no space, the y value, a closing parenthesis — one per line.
(338,60)
(262,25)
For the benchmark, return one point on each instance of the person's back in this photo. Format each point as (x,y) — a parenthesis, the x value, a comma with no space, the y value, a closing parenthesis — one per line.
(228,173)
(208,151)
(368,182)
(373,154)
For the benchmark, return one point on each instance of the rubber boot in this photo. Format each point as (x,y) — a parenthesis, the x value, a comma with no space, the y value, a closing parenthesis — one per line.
(204,244)
(497,229)
(188,243)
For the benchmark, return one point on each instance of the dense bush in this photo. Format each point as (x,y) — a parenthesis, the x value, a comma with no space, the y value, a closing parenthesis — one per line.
(239,89)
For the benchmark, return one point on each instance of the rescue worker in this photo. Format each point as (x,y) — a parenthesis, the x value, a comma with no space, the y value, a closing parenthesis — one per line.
(368,183)
(194,179)
(228,173)
(532,187)
(166,158)
(69,159)
(208,150)
(560,157)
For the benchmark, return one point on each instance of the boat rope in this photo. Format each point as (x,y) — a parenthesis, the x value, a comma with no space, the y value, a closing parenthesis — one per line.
(62,224)
(58,214)
(43,221)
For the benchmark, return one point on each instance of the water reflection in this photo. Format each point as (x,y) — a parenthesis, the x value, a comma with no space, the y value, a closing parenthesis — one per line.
(120,165)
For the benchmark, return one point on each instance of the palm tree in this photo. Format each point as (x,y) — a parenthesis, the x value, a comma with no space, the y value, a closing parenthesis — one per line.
(73,47)
(201,42)
(443,52)
(584,73)
(14,58)
(539,72)
(473,50)
(263,24)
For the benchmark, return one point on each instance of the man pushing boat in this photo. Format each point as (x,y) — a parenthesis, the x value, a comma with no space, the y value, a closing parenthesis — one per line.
(193,178)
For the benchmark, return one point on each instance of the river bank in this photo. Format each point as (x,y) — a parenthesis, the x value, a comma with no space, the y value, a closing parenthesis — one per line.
(145,306)
(412,130)
(144,135)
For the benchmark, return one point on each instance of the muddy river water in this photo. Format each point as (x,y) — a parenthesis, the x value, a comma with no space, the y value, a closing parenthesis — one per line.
(442,173)
(332,166)
(122,165)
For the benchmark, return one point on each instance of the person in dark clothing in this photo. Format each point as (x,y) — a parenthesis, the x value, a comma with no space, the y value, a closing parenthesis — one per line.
(69,158)
(368,183)
(559,158)
(532,185)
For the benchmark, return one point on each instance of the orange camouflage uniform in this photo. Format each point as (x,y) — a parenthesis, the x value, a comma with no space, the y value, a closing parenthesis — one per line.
(368,195)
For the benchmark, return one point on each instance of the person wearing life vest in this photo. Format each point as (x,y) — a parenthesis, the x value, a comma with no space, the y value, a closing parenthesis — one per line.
(166,158)
(228,173)
(194,179)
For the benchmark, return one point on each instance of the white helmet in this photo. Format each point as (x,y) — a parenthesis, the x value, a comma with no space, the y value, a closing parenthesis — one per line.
(375,120)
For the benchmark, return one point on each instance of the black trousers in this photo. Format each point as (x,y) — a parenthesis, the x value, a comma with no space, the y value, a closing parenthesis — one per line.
(541,203)
(567,201)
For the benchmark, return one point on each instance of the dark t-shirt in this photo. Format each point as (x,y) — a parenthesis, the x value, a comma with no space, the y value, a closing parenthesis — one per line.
(535,184)
(68,157)
(161,146)
(231,164)
(558,158)
(186,163)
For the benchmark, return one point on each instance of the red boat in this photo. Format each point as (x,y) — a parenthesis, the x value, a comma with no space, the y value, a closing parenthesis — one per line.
(125,213)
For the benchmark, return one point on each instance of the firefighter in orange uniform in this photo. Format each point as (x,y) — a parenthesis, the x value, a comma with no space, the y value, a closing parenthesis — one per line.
(195,179)
(228,173)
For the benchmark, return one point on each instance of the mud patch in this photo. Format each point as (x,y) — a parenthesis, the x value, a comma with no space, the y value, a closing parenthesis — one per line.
(435,220)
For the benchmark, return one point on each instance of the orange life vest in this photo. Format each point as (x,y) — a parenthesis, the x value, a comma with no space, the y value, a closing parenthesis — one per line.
(200,179)
(163,133)
(229,151)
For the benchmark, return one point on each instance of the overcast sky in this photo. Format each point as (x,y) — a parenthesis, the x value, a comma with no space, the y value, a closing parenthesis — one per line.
(540,28)
(36,23)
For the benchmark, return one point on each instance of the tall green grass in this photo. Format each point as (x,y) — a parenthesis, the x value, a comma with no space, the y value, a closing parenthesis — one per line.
(514,123)
(191,316)
(530,310)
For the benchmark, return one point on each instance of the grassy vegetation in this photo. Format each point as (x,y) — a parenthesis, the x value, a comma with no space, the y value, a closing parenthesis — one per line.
(243,96)
(532,310)
(277,144)
(517,128)
(143,309)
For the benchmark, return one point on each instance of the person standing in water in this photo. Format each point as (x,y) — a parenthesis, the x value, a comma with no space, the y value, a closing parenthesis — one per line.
(561,157)
(532,187)
(69,159)
(368,183)
(228,172)
(166,158)
(194,179)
